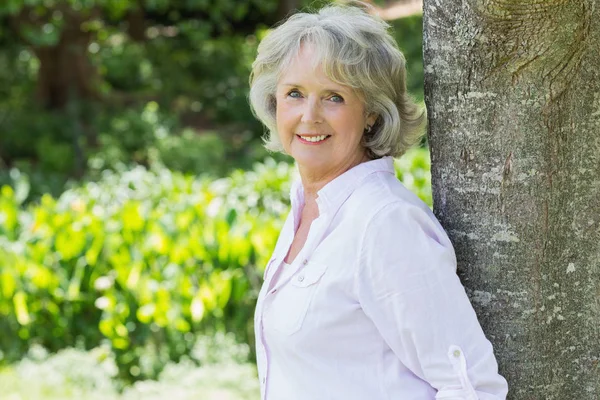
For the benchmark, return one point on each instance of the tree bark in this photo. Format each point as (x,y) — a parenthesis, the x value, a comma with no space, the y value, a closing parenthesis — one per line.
(66,73)
(513,95)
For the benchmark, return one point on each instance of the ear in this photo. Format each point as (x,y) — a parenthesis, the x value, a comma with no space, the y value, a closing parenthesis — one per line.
(371,118)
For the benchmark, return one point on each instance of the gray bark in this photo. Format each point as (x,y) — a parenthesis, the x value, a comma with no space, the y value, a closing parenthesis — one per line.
(513,95)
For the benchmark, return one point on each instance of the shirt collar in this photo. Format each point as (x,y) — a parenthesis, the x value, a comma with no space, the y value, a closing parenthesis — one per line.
(335,193)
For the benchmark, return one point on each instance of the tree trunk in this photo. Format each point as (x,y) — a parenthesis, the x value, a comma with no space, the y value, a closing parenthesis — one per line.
(66,73)
(286,7)
(513,94)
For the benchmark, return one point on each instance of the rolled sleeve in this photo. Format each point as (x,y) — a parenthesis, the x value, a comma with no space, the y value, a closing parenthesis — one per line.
(408,286)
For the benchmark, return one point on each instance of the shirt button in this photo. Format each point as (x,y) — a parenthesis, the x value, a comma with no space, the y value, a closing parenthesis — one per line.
(264,380)
(300,278)
(456,353)
(305,262)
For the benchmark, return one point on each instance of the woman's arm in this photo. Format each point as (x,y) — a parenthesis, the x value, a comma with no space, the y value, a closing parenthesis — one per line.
(407,285)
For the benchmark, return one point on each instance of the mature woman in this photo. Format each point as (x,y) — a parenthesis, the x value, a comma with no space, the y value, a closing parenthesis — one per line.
(360,300)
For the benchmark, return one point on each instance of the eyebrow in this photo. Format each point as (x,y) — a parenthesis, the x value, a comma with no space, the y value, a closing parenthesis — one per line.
(291,84)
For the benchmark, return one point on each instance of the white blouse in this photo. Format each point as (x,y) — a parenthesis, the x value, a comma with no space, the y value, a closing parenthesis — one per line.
(371,308)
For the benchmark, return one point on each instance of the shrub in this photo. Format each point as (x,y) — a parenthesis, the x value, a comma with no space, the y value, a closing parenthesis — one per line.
(145,259)
(217,370)
(142,258)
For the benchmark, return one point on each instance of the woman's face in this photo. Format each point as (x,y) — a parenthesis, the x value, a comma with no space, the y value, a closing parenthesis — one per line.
(320,122)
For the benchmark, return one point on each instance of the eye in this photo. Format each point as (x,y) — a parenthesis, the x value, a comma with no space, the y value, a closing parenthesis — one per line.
(294,93)
(336,98)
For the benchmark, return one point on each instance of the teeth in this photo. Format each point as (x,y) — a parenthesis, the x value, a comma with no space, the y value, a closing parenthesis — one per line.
(314,138)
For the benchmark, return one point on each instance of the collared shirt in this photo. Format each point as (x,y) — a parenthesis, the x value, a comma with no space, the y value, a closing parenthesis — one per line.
(371,308)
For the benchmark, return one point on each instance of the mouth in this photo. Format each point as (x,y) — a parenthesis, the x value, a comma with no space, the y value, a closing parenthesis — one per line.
(313,139)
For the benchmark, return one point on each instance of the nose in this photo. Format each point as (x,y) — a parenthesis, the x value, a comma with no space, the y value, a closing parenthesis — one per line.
(312,111)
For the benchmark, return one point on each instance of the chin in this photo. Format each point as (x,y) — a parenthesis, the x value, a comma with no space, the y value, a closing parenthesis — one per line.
(312,163)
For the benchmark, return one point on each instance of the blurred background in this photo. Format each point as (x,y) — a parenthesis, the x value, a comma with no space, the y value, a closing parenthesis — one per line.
(137,204)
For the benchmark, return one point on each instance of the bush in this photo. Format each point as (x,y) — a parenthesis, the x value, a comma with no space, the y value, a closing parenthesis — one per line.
(414,170)
(217,371)
(145,259)
(142,258)
(408,33)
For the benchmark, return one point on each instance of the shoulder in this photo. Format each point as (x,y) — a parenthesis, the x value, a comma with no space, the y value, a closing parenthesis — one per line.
(382,195)
(402,248)
(390,213)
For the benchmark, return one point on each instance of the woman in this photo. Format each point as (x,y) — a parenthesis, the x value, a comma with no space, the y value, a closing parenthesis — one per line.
(360,300)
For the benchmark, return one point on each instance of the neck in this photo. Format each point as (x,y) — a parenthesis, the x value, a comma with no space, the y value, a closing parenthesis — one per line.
(315,180)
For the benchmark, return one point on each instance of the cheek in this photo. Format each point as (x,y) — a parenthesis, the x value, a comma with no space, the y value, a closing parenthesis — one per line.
(355,126)
(283,116)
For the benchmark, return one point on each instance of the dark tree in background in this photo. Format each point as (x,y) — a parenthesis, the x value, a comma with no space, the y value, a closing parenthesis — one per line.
(105,84)
(513,95)
(60,32)
(104,78)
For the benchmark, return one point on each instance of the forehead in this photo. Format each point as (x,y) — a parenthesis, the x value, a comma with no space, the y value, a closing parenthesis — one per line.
(305,65)
(309,64)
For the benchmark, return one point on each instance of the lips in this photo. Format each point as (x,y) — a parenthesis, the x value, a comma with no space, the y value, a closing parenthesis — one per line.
(313,138)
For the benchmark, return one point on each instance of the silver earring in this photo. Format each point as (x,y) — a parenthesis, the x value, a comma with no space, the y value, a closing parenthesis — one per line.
(369,127)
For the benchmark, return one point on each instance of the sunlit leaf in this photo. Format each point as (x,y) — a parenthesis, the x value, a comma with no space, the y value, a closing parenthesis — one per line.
(134,275)
(42,277)
(120,343)
(197,309)
(75,283)
(20,303)
(121,330)
(146,313)
(132,218)
(182,325)
(69,243)
(8,284)
(208,296)
(106,327)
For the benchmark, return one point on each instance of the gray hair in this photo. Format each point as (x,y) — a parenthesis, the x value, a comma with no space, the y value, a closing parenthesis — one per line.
(355,49)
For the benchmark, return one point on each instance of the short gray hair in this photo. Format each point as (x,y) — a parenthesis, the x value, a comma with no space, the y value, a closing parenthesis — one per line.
(356,50)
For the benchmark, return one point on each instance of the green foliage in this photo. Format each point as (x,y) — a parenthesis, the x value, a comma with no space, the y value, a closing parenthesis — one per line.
(145,260)
(43,139)
(188,70)
(146,137)
(408,33)
(191,152)
(141,258)
(66,374)
(414,170)
(185,70)
(216,369)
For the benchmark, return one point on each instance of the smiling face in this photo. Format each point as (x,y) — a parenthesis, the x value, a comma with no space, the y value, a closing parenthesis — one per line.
(320,122)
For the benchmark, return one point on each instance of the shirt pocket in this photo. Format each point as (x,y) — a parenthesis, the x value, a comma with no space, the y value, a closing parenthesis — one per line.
(295,297)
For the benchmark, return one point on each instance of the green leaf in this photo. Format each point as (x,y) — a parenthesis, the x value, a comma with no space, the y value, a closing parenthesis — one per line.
(69,243)
(145,313)
(132,218)
(197,308)
(20,303)
(8,284)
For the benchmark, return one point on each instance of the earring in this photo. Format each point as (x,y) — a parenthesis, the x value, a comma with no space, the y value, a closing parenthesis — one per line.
(368,130)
